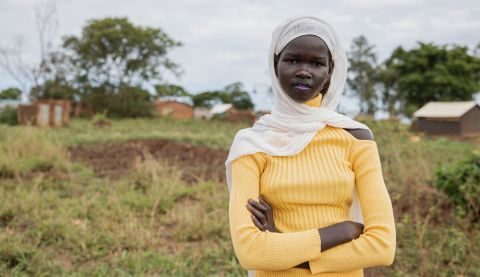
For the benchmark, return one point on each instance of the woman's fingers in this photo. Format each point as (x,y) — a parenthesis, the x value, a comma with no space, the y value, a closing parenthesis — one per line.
(258,205)
(257,213)
(265,204)
(257,223)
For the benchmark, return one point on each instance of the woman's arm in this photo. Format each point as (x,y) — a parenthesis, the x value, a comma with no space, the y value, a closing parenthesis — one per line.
(263,250)
(336,234)
(333,235)
(376,246)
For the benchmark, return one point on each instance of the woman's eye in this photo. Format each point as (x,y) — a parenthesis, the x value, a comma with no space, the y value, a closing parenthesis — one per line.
(291,61)
(317,64)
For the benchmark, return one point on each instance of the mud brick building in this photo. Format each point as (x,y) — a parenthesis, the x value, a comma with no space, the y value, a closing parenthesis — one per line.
(174,109)
(45,113)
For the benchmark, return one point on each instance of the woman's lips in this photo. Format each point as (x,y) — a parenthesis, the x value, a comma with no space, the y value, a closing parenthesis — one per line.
(301,87)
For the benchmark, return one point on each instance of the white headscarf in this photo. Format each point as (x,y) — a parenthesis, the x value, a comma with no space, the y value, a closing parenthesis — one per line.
(291,125)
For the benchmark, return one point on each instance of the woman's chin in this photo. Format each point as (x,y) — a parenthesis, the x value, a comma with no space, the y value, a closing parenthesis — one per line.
(301,97)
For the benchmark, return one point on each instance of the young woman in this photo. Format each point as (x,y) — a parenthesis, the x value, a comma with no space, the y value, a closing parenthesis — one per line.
(315,173)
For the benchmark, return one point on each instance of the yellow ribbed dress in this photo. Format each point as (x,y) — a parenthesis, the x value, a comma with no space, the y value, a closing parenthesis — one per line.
(307,191)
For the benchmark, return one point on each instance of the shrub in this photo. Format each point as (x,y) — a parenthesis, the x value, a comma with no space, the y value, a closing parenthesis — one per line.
(130,102)
(8,115)
(123,103)
(461,183)
(101,120)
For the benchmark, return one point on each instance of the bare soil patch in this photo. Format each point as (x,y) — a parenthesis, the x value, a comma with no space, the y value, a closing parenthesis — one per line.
(116,159)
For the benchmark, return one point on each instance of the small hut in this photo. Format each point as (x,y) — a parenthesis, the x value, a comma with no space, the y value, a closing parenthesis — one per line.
(448,118)
(174,109)
(45,113)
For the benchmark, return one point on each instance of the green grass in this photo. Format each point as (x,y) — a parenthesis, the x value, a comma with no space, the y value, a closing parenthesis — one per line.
(145,224)
(213,134)
(57,218)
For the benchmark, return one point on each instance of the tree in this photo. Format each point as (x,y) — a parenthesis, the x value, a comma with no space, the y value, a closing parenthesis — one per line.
(167,90)
(111,60)
(433,73)
(239,98)
(386,79)
(208,99)
(233,93)
(112,52)
(57,88)
(11,93)
(476,50)
(130,102)
(59,80)
(362,74)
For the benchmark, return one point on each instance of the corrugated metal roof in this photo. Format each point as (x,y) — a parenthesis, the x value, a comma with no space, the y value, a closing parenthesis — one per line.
(220,108)
(445,109)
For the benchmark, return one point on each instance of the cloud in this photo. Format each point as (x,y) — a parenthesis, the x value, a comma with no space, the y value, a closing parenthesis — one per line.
(227,40)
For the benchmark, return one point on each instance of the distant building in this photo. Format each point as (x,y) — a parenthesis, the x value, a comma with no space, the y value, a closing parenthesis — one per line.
(174,109)
(221,109)
(45,113)
(235,115)
(226,112)
(448,118)
(201,113)
(229,113)
(218,111)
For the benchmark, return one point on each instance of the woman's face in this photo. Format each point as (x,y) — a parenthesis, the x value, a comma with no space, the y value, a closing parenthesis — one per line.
(304,67)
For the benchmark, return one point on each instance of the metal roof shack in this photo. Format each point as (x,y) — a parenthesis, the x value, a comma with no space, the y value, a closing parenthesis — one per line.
(448,118)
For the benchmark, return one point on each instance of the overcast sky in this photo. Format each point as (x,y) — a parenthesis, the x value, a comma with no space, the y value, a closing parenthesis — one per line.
(227,40)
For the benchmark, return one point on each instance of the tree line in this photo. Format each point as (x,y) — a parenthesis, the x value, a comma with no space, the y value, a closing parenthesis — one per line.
(408,79)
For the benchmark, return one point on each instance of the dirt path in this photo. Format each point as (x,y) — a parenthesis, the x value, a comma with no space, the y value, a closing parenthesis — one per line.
(116,159)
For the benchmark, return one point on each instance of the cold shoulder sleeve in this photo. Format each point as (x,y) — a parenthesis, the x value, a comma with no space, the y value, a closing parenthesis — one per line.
(376,246)
(257,250)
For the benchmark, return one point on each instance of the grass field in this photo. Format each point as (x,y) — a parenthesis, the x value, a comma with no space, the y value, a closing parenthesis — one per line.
(60,217)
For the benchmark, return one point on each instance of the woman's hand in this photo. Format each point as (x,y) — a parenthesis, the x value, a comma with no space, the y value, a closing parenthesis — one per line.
(262,214)
(355,229)
(262,217)
(333,235)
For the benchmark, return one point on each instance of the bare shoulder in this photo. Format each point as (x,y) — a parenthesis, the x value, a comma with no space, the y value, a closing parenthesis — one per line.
(360,134)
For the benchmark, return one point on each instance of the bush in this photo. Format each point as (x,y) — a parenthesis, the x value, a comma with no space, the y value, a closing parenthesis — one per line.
(101,120)
(127,102)
(461,183)
(131,102)
(8,115)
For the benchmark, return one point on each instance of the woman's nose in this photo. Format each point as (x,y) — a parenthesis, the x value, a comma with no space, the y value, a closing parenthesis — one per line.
(304,74)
